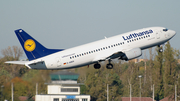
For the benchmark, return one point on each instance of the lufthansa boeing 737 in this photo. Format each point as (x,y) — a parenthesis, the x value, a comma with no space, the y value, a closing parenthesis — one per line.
(125,46)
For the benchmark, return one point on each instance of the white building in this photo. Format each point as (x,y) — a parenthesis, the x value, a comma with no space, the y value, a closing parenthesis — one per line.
(63,87)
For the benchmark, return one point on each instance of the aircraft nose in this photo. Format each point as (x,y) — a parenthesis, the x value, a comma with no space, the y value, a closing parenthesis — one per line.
(172,33)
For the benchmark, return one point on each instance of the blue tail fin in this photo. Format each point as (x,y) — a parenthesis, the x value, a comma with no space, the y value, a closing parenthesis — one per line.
(33,48)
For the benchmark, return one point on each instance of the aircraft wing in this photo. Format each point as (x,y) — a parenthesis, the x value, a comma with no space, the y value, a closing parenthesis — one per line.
(108,56)
(116,55)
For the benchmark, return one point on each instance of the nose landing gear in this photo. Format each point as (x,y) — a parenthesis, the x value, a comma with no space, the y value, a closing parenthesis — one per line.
(160,48)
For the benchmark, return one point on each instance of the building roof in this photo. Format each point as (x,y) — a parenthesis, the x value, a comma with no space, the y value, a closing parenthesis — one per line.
(62,84)
(25,98)
(167,99)
(137,99)
(65,72)
(145,99)
(64,75)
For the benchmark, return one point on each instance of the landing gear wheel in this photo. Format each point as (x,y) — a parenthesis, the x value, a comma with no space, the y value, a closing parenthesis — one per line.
(161,50)
(109,66)
(97,66)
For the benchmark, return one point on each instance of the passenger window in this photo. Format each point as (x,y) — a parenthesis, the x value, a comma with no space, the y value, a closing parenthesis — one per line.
(109,46)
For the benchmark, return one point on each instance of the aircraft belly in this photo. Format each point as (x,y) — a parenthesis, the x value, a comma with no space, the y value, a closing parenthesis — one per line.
(77,62)
(153,43)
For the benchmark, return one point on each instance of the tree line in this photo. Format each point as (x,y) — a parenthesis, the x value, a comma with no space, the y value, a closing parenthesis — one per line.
(161,69)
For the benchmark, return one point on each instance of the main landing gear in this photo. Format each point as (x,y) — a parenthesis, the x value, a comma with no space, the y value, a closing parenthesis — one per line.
(108,66)
(97,66)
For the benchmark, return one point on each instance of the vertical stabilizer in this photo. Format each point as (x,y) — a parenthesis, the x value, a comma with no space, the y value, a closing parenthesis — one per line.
(33,48)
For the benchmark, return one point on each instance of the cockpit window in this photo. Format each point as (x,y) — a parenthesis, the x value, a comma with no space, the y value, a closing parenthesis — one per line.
(165,29)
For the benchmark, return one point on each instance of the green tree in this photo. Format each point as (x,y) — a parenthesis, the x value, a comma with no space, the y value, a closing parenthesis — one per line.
(20,88)
(158,77)
(96,84)
(169,69)
(13,54)
(130,76)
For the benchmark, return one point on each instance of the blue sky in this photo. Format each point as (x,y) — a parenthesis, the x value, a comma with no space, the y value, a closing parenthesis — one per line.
(67,23)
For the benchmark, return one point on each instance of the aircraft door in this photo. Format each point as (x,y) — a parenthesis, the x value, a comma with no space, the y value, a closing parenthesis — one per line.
(58,62)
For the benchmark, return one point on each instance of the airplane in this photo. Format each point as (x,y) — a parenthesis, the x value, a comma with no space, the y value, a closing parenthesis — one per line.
(125,46)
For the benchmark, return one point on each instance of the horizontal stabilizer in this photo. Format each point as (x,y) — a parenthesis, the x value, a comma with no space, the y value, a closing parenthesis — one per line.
(17,62)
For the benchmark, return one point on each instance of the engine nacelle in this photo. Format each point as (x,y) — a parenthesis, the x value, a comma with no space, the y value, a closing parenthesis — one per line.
(131,54)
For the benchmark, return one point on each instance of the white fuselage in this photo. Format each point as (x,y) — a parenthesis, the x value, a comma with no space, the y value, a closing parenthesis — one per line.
(100,50)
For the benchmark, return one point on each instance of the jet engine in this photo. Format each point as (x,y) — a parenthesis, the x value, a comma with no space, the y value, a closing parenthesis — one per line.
(131,54)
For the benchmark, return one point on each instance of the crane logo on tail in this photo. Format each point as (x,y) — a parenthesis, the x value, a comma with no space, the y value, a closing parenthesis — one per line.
(29,45)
